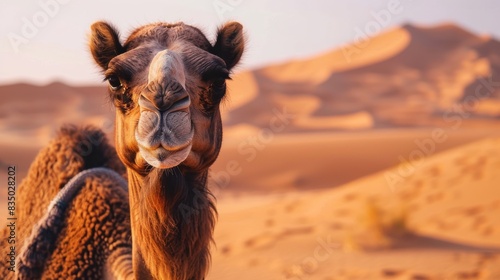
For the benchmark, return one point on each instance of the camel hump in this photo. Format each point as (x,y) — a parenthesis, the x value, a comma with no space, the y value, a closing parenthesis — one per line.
(90,145)
(73,150)
(42,242)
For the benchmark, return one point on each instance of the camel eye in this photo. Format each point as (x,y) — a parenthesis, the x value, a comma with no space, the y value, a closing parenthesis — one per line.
(219,81)
(114,83)
(218,89)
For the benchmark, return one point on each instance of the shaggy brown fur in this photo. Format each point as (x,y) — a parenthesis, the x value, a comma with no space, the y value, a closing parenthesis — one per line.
(175,221)
(97,222)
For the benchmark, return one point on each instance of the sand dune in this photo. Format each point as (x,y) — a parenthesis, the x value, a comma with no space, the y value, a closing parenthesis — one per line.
(439,222)
(288,162)
(317,70)
(438,73)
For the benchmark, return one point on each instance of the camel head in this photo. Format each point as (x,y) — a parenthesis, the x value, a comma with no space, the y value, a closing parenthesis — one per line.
(167,81)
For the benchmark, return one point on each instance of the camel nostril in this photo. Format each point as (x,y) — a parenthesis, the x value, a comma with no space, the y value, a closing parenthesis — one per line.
(181,104)
(165,103)
(146,104)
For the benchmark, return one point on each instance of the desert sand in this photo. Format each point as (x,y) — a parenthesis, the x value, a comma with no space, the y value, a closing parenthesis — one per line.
(382,163)
(438,222)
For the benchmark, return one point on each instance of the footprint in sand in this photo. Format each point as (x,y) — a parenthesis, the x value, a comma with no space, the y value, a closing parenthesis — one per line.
(482,161)
(474,167)
(350,197)
(486,257)
(225,250)
(434,171)
(289,208)
(262,241)
(466,275)
(296,231)
(445,225)
(431,198)
(269,222)
(418,184)
(389,273)
(253,262)
(478,175)
(268,240)
(420,277)
(336,226)
(472,211)
(342,212)
(487,231)
(478,222)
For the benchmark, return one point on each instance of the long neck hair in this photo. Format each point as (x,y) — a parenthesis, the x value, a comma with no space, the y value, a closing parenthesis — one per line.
(175,222)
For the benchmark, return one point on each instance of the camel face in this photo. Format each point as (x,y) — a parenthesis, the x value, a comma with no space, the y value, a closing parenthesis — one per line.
(167,81)
(164,133)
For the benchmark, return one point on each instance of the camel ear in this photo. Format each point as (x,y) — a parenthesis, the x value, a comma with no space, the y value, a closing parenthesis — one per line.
(104,43)
(230,43)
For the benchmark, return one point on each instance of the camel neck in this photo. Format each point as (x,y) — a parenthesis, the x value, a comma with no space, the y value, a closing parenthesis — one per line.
(140,269)
(172,218)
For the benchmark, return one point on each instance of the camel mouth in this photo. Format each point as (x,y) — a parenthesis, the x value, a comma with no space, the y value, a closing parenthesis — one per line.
(164,138)
(162,158)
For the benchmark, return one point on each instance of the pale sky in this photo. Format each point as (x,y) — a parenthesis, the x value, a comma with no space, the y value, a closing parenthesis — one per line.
(43,41)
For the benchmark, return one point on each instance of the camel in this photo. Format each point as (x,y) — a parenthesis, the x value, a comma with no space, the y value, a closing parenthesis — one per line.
(166,82)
